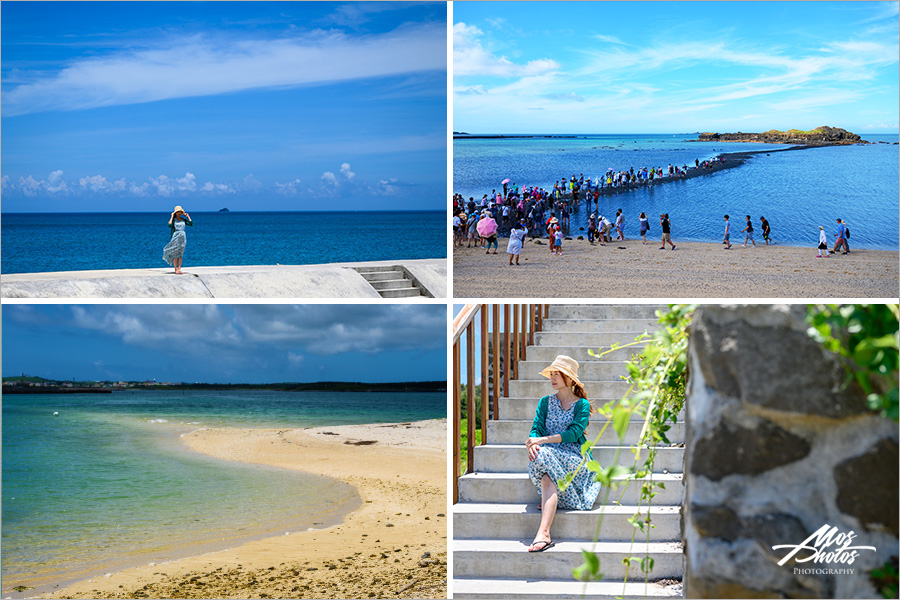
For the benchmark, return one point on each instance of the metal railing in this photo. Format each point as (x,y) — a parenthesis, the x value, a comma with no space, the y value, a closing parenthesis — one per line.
(501,339)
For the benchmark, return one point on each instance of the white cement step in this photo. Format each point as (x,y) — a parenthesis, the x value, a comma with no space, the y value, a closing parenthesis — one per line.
(588,370)
(580,352)
(604,311)
(533,588)
(516,432)
(518,488)
(380,275)
(524,407)
(537,388)
(584,338)
(472,520)
(502,458)
(597,326)
(401,293)
(499,558)
(390,284)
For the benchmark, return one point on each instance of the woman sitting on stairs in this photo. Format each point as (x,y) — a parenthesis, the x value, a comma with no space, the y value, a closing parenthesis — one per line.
(554,448)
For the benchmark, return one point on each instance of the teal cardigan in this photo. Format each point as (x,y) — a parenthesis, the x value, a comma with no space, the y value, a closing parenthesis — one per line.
(574,433)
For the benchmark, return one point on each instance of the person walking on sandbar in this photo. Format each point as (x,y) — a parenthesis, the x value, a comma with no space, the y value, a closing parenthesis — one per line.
(748,233)
(727,238)
(767,231)
(666,234)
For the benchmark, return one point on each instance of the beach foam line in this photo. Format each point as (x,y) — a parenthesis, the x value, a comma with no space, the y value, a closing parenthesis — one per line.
(334,280)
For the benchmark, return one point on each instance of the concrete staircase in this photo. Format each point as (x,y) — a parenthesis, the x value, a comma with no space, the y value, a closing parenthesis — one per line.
(391,281)
(497,516)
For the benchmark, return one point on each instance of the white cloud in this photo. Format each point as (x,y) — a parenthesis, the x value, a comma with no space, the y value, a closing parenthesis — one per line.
(251,183)
(217,188)
(328,178)
(471,58)
(346,172)
(386,186)
(291,188)
(99,183)
(199,66)
(54,184)
(295,359)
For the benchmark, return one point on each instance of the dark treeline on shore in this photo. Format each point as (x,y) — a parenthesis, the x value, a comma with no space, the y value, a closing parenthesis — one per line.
(320,386)
(33,385)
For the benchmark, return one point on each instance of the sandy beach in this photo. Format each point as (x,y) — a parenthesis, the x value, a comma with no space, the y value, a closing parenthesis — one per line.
(630,269)
(393,546)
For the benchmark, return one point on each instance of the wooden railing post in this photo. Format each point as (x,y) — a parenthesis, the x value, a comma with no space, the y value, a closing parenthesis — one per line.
(496,347)
(485,384)
(531,324)
(514,366)
(521,355)
(507,364)
(470,396)
(456,417)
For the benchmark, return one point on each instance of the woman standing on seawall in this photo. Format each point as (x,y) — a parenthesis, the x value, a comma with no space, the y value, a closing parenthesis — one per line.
(174,250)
(554,448)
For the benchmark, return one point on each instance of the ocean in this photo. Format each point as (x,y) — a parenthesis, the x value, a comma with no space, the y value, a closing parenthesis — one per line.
(42,242)
(108,484)
(795,191)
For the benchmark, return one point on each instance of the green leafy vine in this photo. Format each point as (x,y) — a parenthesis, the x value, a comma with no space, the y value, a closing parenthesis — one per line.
(656,393)
(866,338)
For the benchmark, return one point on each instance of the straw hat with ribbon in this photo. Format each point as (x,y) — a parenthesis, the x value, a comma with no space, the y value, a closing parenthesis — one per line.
(567,366)
(178,209)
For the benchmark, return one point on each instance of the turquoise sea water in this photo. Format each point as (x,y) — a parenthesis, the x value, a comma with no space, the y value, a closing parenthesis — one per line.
(42,242)
(107,483)
(796,191)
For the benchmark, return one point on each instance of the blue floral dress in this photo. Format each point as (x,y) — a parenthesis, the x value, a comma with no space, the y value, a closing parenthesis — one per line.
(175,248)
(556,460)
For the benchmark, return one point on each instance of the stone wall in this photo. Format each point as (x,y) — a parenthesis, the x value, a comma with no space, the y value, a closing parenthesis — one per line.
(775,450)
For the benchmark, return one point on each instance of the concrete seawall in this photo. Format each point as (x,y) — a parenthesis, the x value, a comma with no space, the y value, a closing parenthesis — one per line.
(337,280)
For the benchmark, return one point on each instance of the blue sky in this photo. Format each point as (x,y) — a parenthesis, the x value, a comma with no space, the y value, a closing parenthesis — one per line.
(127,106)
(658,67)
(227,344)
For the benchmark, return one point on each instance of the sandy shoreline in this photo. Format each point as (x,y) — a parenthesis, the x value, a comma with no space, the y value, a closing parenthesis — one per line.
(394,545)
(694,270)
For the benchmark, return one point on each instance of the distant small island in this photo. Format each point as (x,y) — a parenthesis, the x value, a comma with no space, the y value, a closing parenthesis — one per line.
(818,136)
(224,210)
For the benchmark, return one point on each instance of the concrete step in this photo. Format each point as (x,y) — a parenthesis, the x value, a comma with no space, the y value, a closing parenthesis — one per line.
(517,487)
(597,325)
(390,284)
(400,293)
(519,522)
(371,276)
(377,269)
(516,432)
(502,458)
(517,408)
(531,588)
(538,388)
(604,311)
(588,370)
(499,558)
(581,353)
(581,338)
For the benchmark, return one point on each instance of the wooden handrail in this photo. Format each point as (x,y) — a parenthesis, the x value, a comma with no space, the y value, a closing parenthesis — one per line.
(463,319)
(505,339)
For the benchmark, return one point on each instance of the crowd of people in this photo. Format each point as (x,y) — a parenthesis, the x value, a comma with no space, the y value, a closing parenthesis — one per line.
(535,212)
